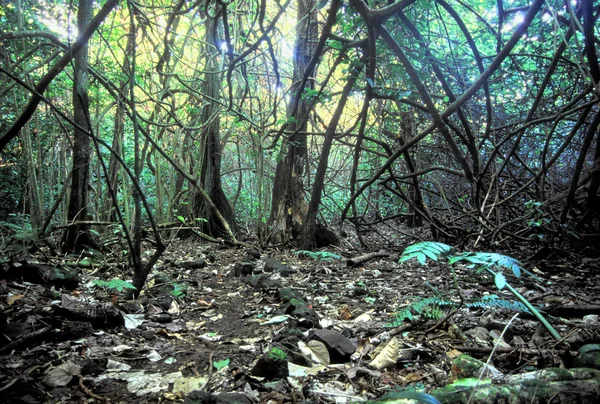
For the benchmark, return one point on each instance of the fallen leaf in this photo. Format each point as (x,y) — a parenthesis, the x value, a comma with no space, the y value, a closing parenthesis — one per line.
(388,355)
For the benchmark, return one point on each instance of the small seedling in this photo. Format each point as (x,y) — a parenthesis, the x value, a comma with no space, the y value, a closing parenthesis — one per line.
(221,364)
(277,354)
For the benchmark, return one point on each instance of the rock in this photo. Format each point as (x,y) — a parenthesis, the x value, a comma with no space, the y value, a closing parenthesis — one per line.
(243,268)
(340,348)
(198,264)
(588,356)
(272,365)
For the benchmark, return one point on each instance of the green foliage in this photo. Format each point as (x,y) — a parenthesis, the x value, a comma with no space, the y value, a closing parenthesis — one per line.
(426,249)
(433,308)
(221,364)
(277,354)
(494,302)
(115,284)
(482,261)
(318,255)
(179,290)
(430,307)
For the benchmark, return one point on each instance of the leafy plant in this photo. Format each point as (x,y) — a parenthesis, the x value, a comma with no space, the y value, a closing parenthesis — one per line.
(426,249)
(432,307)
(429,307)
(179,290)
(115,284)
(318,255)
(277,354)
(221,364)
(491,263)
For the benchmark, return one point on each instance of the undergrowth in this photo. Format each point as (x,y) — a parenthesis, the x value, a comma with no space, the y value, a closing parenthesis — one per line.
(481,262)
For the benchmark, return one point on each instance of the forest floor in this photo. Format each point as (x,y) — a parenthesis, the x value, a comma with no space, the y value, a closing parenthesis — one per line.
(271,325)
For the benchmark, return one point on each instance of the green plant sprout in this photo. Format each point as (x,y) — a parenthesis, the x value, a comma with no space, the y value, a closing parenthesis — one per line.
(179,290)
(481,261)
(221,364)
(115,284)
(318,255)
(277,354)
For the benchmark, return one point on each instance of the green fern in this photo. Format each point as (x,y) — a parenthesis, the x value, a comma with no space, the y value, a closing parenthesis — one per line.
(426,249)
(483,261)
(494,302)
(430,307)
(488,260)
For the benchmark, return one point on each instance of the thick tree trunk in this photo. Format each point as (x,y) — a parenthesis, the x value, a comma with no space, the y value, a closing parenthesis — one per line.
(77,236)
(288,206)
(211,153)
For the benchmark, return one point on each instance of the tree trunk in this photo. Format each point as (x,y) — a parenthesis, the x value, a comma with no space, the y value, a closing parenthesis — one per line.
(310,222)
(77,236)
(288,204)
(211,153)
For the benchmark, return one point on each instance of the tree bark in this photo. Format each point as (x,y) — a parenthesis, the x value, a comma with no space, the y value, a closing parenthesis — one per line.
(77,237)
(211,152)
(288,204)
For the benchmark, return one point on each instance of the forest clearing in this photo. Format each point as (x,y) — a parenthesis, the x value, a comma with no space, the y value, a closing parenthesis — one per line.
(300,201)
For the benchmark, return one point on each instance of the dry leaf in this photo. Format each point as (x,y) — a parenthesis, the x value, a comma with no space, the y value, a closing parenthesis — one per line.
(345,313)
(11,299)
(388,355)
(316,351)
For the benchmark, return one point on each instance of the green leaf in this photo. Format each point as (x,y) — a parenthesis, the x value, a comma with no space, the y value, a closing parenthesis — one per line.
(181,219)
(221,364)
(500,280)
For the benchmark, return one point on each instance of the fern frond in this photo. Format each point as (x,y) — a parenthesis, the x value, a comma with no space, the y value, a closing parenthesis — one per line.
(423,250)
(488,260)
(430,307)
(497,303)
